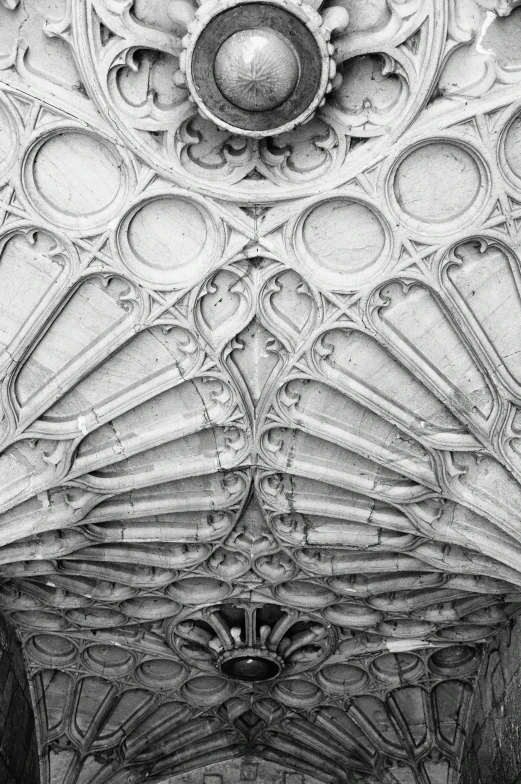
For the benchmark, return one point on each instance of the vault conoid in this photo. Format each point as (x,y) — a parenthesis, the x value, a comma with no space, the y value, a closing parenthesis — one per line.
(260,308)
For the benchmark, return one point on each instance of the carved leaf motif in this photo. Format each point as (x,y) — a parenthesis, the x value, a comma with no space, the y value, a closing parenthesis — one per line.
(288,306)
(135,69)
(225,305)
(257,355)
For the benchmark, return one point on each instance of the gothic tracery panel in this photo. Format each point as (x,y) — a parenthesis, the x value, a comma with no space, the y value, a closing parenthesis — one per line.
(261,387)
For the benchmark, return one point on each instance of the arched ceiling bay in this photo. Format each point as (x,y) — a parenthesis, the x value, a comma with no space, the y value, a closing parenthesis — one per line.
(267,385)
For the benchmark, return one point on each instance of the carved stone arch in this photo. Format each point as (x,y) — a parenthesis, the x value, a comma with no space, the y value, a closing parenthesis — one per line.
(260,386)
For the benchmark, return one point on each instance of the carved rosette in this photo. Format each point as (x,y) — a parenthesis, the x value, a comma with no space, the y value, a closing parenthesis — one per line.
(260,68)
(250,642)
(153,76)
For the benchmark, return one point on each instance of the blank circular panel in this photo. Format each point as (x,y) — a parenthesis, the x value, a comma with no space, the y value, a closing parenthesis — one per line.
(297,693)
(75,178)
(510,151)
(8,139)
(341,242)
(161,674)
(457,179)
(168,240)
(341,678)
(108,660)
(207,690)
(51,650)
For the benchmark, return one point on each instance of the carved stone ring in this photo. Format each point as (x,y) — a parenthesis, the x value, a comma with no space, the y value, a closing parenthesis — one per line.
(250,664)
(259,68)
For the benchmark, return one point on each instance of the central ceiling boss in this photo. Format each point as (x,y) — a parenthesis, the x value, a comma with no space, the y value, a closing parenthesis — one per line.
(260,69)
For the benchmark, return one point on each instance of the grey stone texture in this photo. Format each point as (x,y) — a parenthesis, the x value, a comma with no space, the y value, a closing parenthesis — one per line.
(18,748)
(493,748)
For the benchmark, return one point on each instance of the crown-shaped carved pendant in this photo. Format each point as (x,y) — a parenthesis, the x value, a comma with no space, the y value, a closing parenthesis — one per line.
(251,642)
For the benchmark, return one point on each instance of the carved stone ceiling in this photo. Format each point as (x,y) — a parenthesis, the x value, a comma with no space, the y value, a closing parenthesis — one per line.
(260,394)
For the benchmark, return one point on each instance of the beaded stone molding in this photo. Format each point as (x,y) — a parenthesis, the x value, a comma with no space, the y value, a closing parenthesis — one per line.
(260,68)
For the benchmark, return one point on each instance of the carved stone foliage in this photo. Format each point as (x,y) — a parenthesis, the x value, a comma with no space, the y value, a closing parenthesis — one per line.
(130,59)
(276,379)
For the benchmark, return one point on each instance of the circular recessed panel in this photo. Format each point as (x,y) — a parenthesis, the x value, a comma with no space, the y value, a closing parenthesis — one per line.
(250,668)
(438,182)
(465,633)
(161,673)
(51,650)
(342,678)
(97,617)
(454,661)
(199,590)
(304,594)
(257,68)
(207,690)
(150,607)
(108,659)
(510,150)
(167,240)
(167,232)
(513,146)
(8,140)
(352,616)
(75,178)
(297,693)
(396,668)
(344,241)
(40,620)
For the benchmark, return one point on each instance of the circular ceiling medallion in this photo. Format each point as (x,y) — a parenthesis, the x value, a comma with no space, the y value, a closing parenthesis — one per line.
(257,69)
(250,665)
(251,642)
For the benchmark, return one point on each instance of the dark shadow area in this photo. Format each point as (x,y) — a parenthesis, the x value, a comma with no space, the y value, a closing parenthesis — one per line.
(18,746)
(493,747)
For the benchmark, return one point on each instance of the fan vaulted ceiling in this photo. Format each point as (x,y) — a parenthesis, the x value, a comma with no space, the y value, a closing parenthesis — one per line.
(259,392)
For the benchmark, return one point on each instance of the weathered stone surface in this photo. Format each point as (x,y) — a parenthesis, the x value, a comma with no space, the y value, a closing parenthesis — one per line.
(493,747)
(260,395)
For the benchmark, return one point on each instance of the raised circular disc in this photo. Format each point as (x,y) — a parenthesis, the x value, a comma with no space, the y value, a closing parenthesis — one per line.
(454,178)
(285,36)
(76,179)
(256,69)
(250,668)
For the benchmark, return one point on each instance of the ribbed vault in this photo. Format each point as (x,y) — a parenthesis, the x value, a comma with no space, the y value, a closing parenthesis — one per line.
(259,394)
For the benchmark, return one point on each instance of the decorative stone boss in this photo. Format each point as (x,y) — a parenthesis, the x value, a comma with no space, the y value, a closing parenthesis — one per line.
(259,68)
